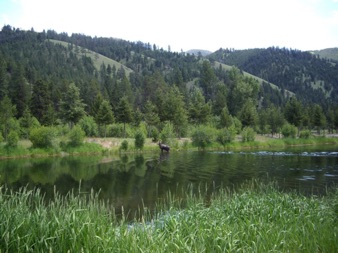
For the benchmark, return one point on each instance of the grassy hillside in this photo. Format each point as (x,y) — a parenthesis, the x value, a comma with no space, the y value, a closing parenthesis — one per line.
(329,53)
(260,80)
(97,59)
(310,77)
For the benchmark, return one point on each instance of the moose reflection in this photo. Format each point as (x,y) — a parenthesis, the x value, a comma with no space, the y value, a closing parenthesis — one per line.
(164,147)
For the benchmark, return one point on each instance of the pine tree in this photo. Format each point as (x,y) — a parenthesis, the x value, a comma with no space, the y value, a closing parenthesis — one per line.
(7,113)
(20,91)
(124,113)
(105,115)
(199,110)
(72,107)
(41,101)
(208,80)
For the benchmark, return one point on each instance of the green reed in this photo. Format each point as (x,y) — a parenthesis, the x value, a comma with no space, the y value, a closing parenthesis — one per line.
(255,218)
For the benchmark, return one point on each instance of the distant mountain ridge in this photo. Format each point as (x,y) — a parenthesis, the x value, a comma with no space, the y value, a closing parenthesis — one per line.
(104,62)
(311,76)
(328,53)
(202,52)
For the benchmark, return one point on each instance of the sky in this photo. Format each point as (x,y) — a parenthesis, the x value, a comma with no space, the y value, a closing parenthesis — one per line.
(183,25)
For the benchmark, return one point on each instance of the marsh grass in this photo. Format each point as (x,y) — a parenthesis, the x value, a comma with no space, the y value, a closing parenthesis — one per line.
(255,218)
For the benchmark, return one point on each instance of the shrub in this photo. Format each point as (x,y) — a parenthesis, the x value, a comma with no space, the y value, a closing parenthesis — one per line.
(289,131)
(167,132)
(139,140)
(203,136)
(226,135)
(76,136)
(12,139)
(117,130)
(89,125)
(305,134)
(154,134)
(124,145)
(248,134)
(43,137)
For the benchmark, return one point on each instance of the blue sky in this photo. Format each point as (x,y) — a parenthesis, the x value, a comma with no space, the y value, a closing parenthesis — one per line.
(184,25)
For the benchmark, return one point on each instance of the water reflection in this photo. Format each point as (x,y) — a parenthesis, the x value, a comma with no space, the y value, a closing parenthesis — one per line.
(133,181)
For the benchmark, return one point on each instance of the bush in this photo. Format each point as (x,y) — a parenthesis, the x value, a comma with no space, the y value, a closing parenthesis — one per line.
(226,135)
(89,125)
(305,134)
(43,137)
(124,145)
(154,134)
(12,139)
(139,140)
(117,130)
(203,136)
(167,133)
(248,134)
(76,136)
(289,131)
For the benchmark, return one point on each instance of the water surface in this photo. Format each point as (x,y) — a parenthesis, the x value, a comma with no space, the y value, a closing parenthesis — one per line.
(133,181)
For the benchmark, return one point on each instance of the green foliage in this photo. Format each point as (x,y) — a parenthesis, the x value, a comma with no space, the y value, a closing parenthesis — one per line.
(289,131)
(12,139)
(105,114)
(226,135)
(27,121)
(150,115)
(158,85)
(203,136)
(1,138)
(238,125)
(226,119)
(167,133)
(199,110)
(43,137)
(120,131)
(294,112)
(154,133)
(248,134)
(7,113)
(89,125)
(76,136)
(171,108)
(124,145)
(236,222)
(248,114)
(72,107)
(139,140)
(305,134)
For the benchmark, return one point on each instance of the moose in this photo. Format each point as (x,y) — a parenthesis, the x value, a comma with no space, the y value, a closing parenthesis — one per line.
(164,147)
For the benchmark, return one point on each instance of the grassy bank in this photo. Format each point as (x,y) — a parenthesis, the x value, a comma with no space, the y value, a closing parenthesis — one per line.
(256,218)
(112,145)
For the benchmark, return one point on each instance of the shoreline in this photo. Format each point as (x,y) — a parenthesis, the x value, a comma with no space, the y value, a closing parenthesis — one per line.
(94,146)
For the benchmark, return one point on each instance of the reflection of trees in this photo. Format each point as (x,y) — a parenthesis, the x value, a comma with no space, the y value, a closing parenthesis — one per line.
(11,170)
(133,180)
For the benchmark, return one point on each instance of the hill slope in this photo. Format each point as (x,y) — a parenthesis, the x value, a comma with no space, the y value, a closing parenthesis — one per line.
(97,58)
(311,78)
(328,53)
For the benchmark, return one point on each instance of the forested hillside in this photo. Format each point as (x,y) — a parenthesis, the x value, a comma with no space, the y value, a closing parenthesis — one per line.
(53,79)
(312,78)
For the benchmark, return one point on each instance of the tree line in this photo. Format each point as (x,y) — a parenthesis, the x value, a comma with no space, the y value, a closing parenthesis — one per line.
(43,84)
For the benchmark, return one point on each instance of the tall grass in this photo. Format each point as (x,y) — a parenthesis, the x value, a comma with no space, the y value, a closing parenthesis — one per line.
(255,218)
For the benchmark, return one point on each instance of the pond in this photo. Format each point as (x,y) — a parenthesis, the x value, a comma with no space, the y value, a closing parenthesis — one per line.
(134,181)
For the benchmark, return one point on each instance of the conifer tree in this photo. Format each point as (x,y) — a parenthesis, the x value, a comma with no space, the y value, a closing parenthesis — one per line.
(124,113)
(105,115)
(72,107)
(7,113)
